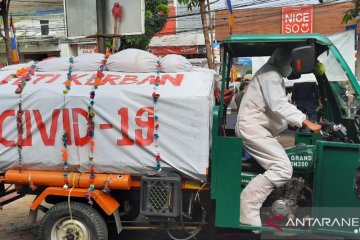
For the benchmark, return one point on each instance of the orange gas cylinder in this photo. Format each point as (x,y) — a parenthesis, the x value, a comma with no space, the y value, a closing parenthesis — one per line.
(56,179)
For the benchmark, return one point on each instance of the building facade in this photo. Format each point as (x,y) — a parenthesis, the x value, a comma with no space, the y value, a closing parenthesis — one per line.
(41,32)
(325,19)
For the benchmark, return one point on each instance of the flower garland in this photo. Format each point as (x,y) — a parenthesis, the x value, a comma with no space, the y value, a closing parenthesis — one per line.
(91,123)
(155,97)
(64,138)
(24,75)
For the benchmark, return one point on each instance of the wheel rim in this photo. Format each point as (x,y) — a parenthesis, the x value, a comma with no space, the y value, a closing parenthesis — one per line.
(67,229)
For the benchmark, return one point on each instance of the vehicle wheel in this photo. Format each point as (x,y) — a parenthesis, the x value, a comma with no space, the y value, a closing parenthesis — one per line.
(134,211)
(86,223)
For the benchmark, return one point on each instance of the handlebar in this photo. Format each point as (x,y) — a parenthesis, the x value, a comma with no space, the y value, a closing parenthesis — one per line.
(334,132)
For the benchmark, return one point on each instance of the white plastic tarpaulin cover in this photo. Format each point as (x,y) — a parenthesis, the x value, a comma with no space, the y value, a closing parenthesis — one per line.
(124,122)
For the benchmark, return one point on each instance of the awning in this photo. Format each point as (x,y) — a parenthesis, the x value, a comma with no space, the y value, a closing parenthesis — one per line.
(181,43)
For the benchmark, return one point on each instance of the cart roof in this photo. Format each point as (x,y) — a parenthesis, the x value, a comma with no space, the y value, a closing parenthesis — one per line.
(247,45)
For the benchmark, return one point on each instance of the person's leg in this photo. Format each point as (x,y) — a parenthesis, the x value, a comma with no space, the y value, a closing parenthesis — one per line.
(311,112)
(246,154)
(252,198)
(272,157)
(269,153)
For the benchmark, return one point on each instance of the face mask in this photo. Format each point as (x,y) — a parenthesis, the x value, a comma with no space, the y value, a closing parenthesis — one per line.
(286,71)
(281,59)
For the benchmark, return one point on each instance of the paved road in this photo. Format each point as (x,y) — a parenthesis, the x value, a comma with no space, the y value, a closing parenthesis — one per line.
(13,219)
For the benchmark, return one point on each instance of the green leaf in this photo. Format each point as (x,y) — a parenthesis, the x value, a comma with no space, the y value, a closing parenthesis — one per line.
(156,16)
(148,14)
(352,14)
(163,8)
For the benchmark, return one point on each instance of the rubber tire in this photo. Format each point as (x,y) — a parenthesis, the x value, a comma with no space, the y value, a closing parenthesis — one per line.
(90,217)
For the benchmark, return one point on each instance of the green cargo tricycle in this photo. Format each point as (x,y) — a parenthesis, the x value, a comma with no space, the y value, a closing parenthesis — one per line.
(323,195)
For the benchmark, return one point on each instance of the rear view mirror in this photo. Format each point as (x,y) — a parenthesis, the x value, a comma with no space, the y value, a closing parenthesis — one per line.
(303,59)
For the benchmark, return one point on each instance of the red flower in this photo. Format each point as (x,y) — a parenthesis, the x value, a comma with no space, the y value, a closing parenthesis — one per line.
(22,71)
(100,74)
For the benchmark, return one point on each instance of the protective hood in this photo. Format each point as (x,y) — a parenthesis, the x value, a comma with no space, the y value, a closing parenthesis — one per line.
(281,59)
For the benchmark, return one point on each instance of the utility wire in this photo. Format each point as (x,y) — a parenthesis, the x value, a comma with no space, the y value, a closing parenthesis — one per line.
(244,6)
(253,19)
(60,25)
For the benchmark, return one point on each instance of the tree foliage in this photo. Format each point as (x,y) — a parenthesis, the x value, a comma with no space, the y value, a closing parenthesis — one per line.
(201,4)
(190,3)
(156,15)
(4,10)
(352,14)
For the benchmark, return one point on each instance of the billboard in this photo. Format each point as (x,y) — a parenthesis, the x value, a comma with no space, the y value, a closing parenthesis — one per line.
(297,19)
(246,62)
(81,17)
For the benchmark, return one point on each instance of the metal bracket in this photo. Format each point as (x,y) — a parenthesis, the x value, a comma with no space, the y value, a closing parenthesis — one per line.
(32,216)
(118,223)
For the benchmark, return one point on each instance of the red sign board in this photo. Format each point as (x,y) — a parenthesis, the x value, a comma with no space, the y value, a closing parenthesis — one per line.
(86,49)
(174,50)
(297,19)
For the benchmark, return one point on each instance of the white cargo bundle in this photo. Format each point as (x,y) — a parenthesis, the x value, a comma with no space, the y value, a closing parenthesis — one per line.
(87,62)
(132,60)
(17,66)
(175,63)
(124,127)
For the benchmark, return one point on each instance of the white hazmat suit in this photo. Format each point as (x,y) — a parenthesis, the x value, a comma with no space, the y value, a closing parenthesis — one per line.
(264,113)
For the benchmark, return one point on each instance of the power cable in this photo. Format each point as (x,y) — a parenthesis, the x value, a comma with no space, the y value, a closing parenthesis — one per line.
(193,28)
(260,17)
(240,6)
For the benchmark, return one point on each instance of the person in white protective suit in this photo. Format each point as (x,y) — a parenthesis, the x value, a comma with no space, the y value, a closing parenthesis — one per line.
(264,113)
